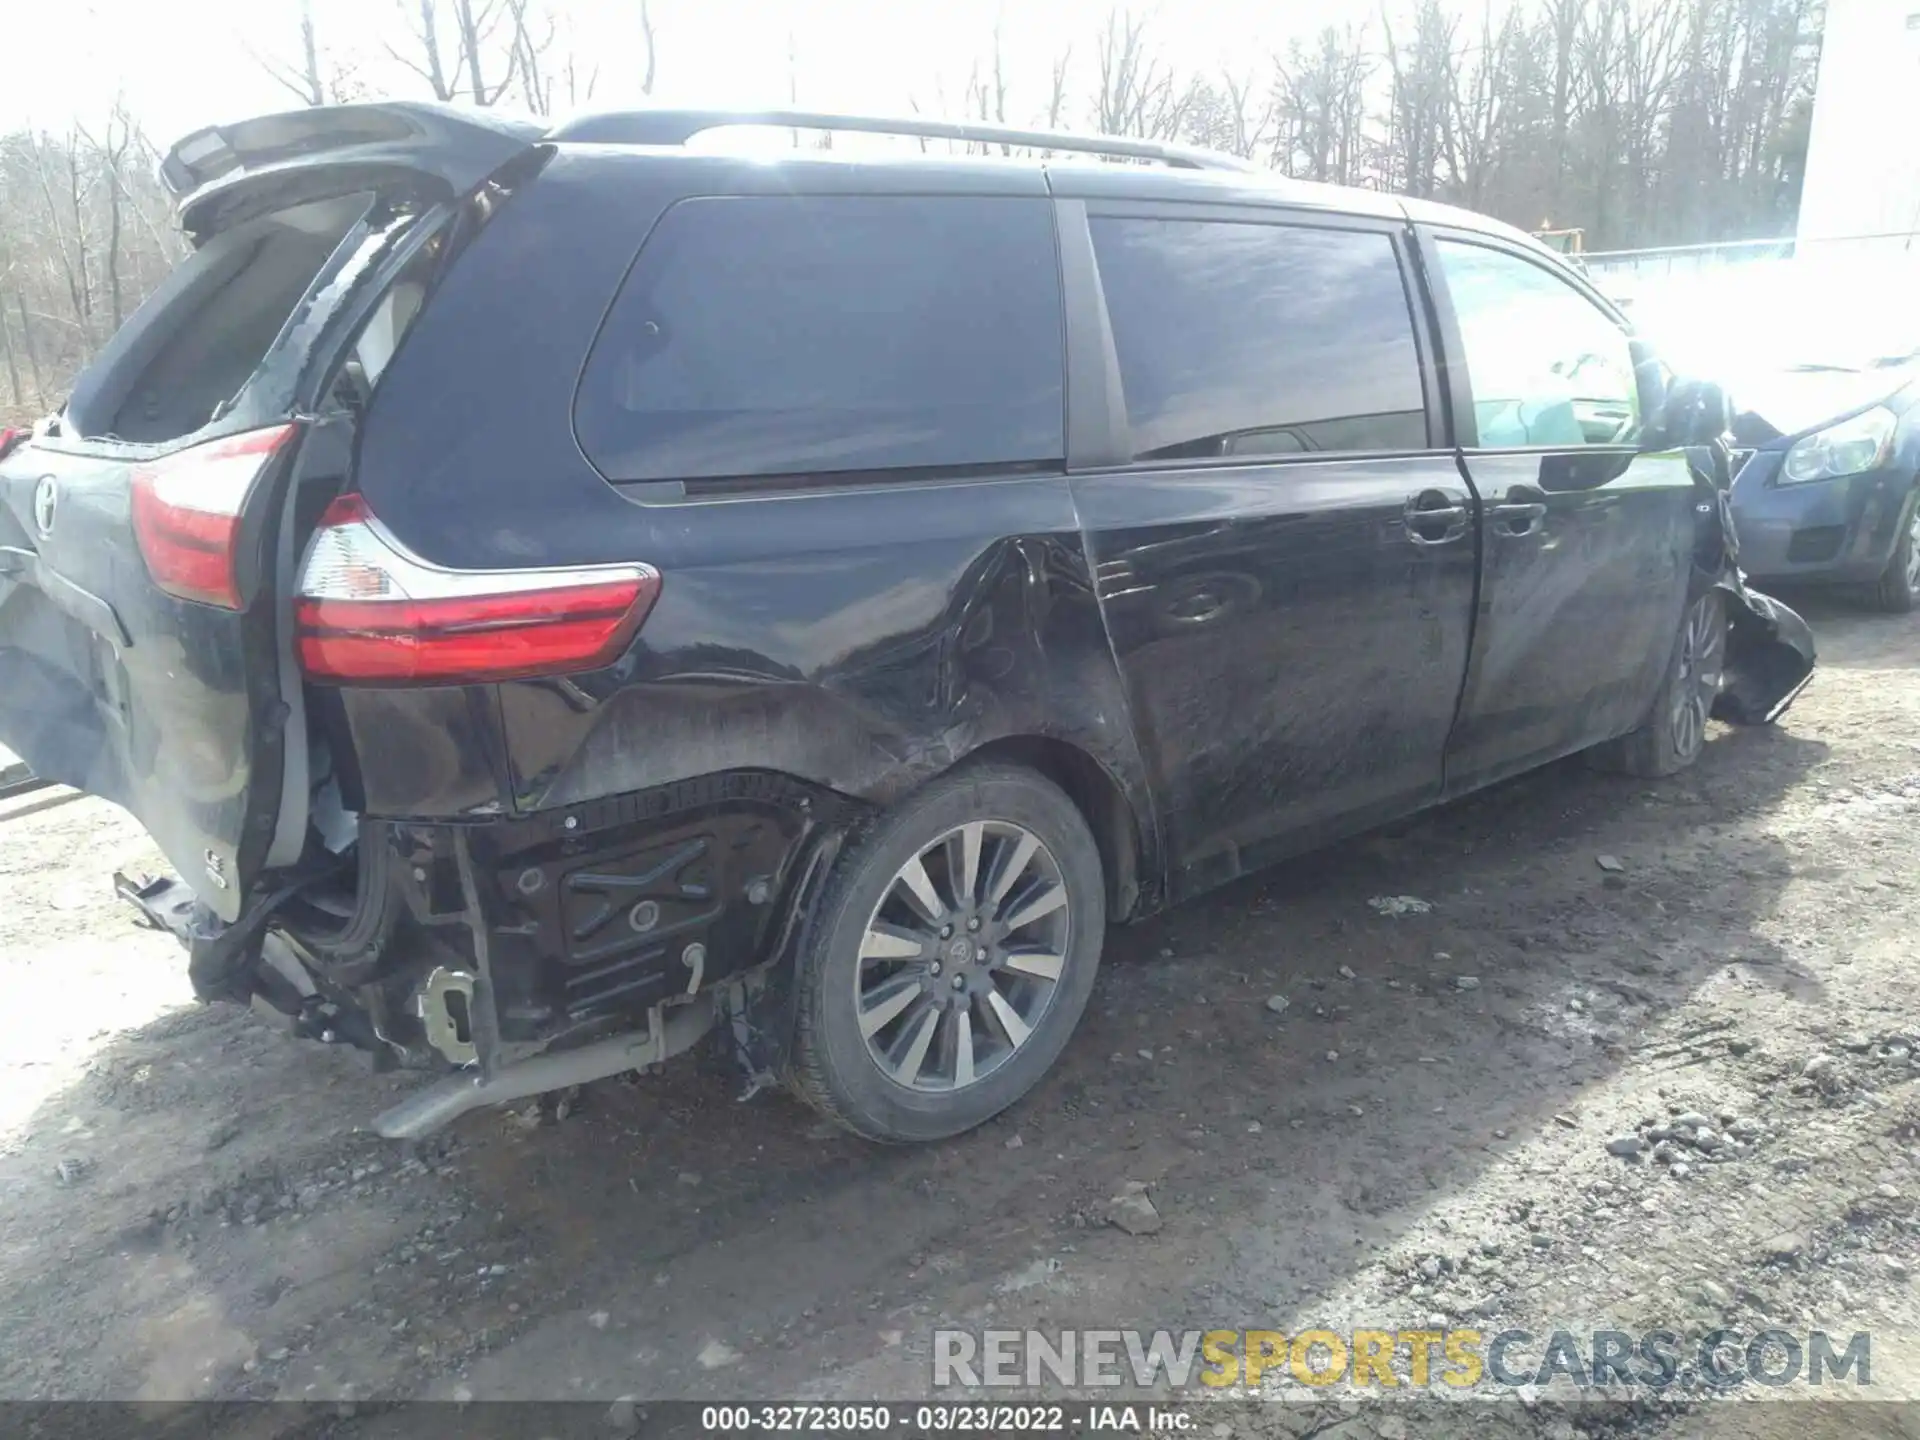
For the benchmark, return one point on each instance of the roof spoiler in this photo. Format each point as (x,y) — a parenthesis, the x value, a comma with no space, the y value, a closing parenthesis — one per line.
(209,170)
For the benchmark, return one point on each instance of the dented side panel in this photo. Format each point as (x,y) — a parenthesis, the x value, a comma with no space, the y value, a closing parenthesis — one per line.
(421,752)
(867,667)
(861,637)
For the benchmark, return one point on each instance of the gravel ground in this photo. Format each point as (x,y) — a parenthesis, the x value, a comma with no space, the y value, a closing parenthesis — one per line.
(1647,1061)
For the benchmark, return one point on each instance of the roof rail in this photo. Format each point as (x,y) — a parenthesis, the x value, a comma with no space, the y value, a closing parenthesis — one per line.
(676,127)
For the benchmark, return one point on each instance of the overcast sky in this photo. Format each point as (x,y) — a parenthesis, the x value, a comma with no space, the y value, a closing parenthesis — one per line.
(185,63)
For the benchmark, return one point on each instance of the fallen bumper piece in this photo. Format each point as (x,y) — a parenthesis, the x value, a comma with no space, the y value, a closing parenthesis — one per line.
(1770,657)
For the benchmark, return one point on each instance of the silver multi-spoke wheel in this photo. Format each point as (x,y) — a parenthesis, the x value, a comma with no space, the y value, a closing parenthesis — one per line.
(1701,665)
(962,955)
(949,956)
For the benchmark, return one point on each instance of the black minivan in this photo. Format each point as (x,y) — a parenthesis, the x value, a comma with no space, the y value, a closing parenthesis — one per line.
(555,594)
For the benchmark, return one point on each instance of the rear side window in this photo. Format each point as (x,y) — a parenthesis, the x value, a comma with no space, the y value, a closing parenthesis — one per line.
(805,335)
(1258,340)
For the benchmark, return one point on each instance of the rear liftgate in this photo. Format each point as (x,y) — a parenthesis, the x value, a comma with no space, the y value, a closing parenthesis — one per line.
(147,530)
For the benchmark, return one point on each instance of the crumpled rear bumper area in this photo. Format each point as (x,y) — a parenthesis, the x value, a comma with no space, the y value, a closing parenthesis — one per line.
(1770,657)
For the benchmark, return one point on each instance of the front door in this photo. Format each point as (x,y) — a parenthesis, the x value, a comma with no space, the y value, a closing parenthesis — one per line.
(1284,549)
(1587,540)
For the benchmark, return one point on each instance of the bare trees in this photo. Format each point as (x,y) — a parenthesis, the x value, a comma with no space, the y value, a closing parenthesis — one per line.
(1422,97)
(1643,121)
(1139,93)
(313,72)
(550,69)
(468,50)
(1737,133)
(647,39)
(493,52)
(1057,91)
(302,78)
(87,236)
(110,155)
(423,52)
(1220,116)
(1320,107)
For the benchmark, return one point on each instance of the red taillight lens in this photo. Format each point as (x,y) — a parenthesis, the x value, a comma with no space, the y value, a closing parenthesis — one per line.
(11,436)
(370,610)
(186,513)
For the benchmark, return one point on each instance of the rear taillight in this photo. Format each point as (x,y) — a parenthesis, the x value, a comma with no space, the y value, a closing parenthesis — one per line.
(369,610)
(11,437)
(186,513)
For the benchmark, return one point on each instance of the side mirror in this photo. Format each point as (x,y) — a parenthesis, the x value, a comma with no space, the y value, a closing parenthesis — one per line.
(1695,412)
(1700,412)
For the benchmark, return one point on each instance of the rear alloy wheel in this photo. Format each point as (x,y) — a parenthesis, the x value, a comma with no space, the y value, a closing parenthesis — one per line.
(951,957)
(955,974)
(1676,730)
(1898,589)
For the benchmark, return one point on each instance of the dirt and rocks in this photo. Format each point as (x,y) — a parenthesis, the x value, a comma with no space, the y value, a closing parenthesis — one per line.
(1580,1054)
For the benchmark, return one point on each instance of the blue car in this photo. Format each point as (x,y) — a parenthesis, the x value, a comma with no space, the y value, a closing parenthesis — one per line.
(1825,491)
(1821,359)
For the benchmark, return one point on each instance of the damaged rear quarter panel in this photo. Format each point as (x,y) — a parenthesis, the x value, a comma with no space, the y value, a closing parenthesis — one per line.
(861,637)
(863,667)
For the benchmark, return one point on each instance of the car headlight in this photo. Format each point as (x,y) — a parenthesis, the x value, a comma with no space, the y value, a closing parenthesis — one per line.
(1849,448)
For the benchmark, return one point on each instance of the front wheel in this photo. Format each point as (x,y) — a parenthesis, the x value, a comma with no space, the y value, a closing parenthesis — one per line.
(951,957)
(1676,729)
(1898,589)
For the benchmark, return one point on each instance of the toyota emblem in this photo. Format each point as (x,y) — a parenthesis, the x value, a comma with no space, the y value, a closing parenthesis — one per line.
(46,504)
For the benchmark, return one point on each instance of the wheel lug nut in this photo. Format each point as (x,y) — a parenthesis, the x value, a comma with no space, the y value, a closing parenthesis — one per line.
(946,932)
(934,968)
(959,982)
(974,923)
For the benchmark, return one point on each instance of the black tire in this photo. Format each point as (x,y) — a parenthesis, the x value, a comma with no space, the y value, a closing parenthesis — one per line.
(1897,591)
(1675,731)
(835,1069)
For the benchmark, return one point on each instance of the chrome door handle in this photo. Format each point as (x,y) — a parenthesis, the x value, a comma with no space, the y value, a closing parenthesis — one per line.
(1517,519)
(1434,518)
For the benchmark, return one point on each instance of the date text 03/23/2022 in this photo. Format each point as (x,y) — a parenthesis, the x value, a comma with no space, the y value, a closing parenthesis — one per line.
(943,1419)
